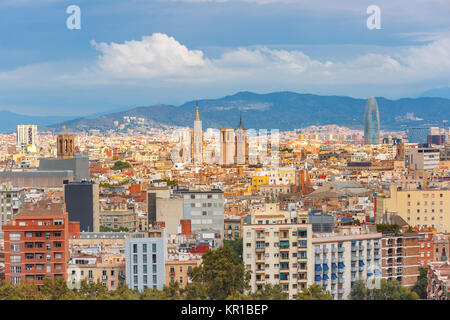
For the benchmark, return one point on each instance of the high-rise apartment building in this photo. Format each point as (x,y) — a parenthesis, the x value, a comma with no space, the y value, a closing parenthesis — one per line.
(12,200)
(37,243)
(26,134)
(205,210)
(371,122)
(345,256)
(278,253)
(400,258)
(145,262)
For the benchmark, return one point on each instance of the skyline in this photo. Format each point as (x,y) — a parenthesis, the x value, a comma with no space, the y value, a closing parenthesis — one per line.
(175,51)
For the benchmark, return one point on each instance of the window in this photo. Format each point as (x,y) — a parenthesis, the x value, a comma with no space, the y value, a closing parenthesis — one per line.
(154,268)
(134,248)
(144,247)
(58,222)
(15,236)
(153,247)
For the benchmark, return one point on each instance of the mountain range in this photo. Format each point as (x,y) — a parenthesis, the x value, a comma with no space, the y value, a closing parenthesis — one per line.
(281,110)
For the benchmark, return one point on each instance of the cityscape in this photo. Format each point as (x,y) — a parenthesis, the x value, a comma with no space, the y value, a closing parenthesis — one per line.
(225,165)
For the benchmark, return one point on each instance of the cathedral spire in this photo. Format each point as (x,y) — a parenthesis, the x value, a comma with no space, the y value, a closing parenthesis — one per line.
(240,122)
(197,117)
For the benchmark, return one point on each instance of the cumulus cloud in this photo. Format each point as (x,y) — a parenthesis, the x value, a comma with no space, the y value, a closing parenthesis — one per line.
(161,61)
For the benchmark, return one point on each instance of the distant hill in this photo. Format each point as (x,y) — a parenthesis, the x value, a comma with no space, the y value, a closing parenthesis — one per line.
(437,92)
(10,120)
(282,110)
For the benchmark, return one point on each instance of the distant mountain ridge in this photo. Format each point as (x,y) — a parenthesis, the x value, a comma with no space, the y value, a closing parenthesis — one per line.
(10,120)
(280,110)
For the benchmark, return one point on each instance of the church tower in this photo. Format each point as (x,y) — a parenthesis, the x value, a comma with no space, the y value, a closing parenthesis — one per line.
(197,140)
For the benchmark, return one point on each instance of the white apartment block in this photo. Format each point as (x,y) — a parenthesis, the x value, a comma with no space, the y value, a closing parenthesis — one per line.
(342,258)
(26,134)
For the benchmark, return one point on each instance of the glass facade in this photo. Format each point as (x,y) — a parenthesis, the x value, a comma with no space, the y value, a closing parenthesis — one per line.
(371,122)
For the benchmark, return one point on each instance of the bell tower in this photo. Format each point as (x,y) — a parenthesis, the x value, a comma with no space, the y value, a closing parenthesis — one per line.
(66,146)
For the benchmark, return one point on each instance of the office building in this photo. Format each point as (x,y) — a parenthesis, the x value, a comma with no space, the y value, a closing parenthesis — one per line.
(145,262)
(82,204)
(418,134)
(371,122)
(37,243)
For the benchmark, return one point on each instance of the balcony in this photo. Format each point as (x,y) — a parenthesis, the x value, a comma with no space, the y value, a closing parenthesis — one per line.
(318,261)
(369,257)
(341,270)
(376,245)
(354,269)
(341,291)
(260,249)
(369,246)
(354,248)
(340,281)
(361,248)
(260,258)
(260,270)
(334,260)
(377,256)
(354,258)
(334,249)
(325,250)
(333,291)
(341,249)
(361,268)
(325,260)
(318,250)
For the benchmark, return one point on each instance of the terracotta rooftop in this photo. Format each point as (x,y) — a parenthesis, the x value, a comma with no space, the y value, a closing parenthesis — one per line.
(42,208)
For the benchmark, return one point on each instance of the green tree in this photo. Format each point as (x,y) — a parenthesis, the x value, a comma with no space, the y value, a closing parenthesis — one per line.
(124,293)
(120,165)
(221,273)
(314,292)
(236,245)
(57,290)
(389,290)
(420,287)
(195,291)
(238,296)
(91,290)
(270,292)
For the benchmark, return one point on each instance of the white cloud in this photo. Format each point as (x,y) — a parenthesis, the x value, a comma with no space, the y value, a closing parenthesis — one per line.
(160,61)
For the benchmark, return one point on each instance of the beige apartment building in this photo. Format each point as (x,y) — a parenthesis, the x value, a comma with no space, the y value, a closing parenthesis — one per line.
(419,208)
(178,266)
(119,216)
(276,248)
(109,270)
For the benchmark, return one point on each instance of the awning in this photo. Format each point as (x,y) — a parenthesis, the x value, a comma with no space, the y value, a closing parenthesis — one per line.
(334,276)
(318,278)
(341,265)
(334,265)
(361,263)
(284,243)
(369,274)
(318,267)
(325,277)
(325,267)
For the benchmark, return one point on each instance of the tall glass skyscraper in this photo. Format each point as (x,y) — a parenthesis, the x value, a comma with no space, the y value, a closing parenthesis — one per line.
(371,122)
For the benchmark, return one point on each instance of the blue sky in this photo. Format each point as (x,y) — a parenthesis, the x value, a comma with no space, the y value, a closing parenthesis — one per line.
(142,52)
